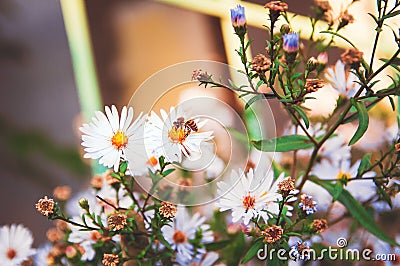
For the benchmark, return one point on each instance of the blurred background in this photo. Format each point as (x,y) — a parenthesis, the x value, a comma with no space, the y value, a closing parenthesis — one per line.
(40,109)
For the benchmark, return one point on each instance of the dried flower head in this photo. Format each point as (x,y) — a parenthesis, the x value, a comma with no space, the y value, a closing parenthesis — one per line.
(54,234)
(275,9)
(276,6)
(201,76)
(312,85)
(45,206)
(117,221)
(110,179)
(97,182)
(260,63)
(286,185)
(345,19)
(62,192)
(272,233)
(110,260)
(352,57)
(27,262)
(167,209)
(323,5)
(397,147)
(301,250)
(307,204)
(320,225)
(184,183)
(62,225)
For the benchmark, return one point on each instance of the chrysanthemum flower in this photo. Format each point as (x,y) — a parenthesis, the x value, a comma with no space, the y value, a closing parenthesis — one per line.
(184,228)
(249,195)
(110,137)
(174,134)
(341,80)
(15,245)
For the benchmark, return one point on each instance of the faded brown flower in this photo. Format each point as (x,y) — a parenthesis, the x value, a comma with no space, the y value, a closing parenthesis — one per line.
(260,63)
(324,5)
(199,75)
(62,193)
(167,209)
(352,57)
(272,233)
(320,225)
(275,9)
(97,182)
(345,19)
(286,185)
(397,147)
(54,234)
(117,221)
(277,6)
(110,260)
(312,85)
(110,179)
(45,206)
(27,262)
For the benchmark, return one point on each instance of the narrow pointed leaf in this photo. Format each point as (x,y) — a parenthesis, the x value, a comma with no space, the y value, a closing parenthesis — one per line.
(363,121)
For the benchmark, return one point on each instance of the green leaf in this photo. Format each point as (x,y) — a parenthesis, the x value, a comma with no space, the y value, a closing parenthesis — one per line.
(365,164)
(337,34)
(395,13)
(217,245)
(252,252)
(363,121)
(302,114)
(357,211)
(167,172)
(337,190)
(253,99)
(284,143)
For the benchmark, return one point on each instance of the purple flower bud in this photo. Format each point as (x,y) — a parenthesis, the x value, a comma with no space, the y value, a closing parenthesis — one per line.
(238,17)
(291,42)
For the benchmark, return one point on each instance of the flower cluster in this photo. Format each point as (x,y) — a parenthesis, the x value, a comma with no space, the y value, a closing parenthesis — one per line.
(329,168)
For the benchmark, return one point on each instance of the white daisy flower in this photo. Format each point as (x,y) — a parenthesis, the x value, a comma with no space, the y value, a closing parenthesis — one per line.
(184,228)
(208,259)
(361,189)
(174,134)
(110,137)
(15,245)
(341,80)
(249,196)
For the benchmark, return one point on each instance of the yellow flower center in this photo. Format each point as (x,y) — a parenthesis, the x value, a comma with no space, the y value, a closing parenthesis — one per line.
(179,237)
(177,135)
(249,202)
(343,176)
(119,140)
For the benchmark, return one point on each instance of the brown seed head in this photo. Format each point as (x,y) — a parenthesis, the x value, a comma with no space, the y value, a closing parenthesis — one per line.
(312,85)
(286,185)
(260,63)
(62,193)
(320,225)
(352,57)
(54,235)
(323,5)
(110,260)
(167,209)
(276,6)
(345,19)
(117,221)
(96,182)
(397,147)
(45,206)
(272,233)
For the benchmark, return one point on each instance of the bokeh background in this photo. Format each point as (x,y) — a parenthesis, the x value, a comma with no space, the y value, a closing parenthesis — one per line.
(131,40)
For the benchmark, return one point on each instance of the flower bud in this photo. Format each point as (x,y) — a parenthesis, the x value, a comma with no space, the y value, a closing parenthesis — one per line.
(238,19)
(290,46)
(322,58)
(83,202)
(312,64)
(285,29)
